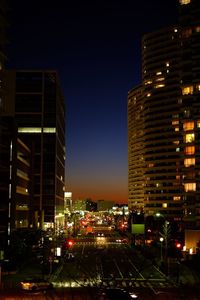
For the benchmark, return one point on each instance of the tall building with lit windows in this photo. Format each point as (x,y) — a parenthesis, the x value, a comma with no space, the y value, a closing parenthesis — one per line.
(160,75)
(189,116)
(169,98)
(37,103)
(135,149)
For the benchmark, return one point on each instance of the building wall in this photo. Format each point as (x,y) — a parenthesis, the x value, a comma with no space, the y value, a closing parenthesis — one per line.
(189,116)
(135,149)
(160,74)
(40,117)
(171,120)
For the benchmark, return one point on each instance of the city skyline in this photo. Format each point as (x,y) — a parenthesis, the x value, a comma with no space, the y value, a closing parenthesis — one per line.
(96,49)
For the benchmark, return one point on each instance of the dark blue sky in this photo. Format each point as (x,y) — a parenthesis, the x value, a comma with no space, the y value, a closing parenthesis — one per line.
(95,47)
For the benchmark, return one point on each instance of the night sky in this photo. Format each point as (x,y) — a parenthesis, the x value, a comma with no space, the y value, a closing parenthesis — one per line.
(95,47)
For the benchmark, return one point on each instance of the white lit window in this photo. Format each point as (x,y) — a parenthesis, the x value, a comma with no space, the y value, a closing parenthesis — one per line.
(189,138)
(29,130)
(190,187)
(188,125)
(149,95)
(36,130)
(189,150)
(177,129)
(49,130)
(177,149)
(164,205)
(187,90)
(189,162)
(198,123)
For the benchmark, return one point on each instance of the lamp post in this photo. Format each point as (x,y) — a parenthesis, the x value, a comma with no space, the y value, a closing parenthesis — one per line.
(161,248)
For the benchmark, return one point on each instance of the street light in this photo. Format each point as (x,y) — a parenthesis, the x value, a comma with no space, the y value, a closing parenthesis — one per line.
(161,248)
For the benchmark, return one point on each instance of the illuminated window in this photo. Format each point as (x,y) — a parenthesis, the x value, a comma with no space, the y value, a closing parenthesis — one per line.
(160,79)
(183,2)
(30,129)
(167,64)
(188,125)
(164,205)
(149,95)
(49,130)
(177,129)
(157,86)
(198,87)
(176,198)
(148,82)
(158,73)
(198,123)
(189,162)
(180,101)
(189,138)
(197,28)
(176,142)
(187,90)
(36,130)
(186,33)
(190,187)
(151,165)
(187,113)
(189,150)
(178,177)
(177,149)
(175,122)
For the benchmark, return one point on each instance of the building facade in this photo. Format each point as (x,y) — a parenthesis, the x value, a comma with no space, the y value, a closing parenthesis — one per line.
(135,149)
(39,112)
(168,101)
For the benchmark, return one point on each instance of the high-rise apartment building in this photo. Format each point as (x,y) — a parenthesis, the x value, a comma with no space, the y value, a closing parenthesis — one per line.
(168,101)
(39,112)
(136,149)
(189,115)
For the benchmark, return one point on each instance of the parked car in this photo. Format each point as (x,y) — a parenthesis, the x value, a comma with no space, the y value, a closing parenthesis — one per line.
(35,284)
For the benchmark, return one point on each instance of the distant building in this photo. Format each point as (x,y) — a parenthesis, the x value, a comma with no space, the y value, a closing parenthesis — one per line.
(68,202)
(135,149)
(37,103)
(104,205)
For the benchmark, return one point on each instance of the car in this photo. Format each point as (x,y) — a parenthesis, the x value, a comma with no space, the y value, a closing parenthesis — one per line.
(35,284)
(117,293)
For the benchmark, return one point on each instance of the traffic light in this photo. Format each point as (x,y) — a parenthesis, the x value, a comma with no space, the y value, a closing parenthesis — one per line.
(70,243)
(178,245)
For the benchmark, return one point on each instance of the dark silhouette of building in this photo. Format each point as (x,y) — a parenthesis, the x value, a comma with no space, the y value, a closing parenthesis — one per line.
(39,113)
